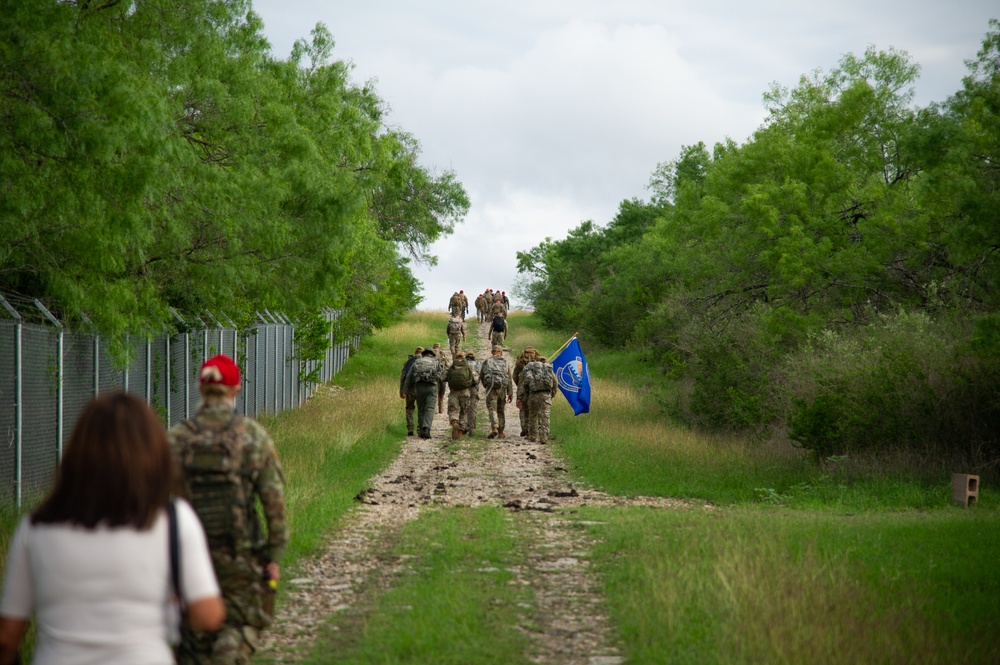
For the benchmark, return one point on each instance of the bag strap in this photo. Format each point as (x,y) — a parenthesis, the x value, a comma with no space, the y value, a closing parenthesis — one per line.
(175,549)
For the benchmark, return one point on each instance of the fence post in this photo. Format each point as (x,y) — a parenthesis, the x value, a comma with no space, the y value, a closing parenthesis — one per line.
(59,380)
(18,405)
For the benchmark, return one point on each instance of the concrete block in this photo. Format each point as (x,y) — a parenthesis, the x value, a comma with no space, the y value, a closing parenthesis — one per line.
(964,489)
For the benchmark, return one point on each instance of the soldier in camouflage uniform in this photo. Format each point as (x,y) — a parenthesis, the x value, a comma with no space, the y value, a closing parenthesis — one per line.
(456,333)
(498,336)
(411,398)
(536,398)
(481,308)
(495,377)
(421,381)
(470,421)
(526,356)
(445,364)
(458,396)
(455,305)
(246,562)
(497,309)
(465,303)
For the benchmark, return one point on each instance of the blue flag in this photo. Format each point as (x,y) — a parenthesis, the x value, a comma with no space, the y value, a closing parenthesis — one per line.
(571,371)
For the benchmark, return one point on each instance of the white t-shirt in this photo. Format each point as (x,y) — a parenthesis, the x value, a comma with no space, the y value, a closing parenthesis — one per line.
(101,596)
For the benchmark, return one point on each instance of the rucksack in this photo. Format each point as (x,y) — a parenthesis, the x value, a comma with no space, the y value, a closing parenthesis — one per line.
(536,377)
(495,373)
(454,326)
(498,324)
(218,487)
(426,370)
(460,375)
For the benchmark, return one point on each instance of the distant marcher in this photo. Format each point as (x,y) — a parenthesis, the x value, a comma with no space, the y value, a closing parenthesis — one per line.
(480,308)
(227,465)
(422,381)
(442,384)
(92,561)
(538,387)
(505,299)
(460,380)
(455,305)
(465,303)
(498,331)
(456,334)
(495,378)
(411,399)
(470,427)
(527,355)
(497,309)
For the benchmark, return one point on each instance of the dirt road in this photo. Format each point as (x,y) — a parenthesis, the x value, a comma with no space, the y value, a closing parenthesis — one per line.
(569,624)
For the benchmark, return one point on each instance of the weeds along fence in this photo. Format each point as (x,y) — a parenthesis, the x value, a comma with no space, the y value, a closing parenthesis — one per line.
(48,373)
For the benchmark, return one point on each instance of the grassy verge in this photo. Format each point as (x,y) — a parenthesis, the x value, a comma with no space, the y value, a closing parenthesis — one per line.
(459,605)
(752,585)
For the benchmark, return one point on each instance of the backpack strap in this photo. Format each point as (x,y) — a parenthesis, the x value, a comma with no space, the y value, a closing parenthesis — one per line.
(174,544)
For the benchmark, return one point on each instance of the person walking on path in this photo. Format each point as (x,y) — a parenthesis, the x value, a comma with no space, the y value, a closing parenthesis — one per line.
(496,379)
(527,355)
(456,334)
(225,465)
(422,381)
(445,364)
(498,331)
(460,380)
(470,421)
(411,399)
(537,388)
(92,562)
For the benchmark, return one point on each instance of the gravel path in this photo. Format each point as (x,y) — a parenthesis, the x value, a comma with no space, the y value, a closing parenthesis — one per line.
(569,625)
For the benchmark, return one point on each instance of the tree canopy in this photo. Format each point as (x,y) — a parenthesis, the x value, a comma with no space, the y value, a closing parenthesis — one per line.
(832,276)
(154,154)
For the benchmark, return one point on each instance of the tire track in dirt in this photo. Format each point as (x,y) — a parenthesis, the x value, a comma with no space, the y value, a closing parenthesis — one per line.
(567,626)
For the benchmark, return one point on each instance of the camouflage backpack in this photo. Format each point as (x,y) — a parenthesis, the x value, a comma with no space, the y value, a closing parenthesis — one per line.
(454,326)
(460,375)
(426,370)
(536,377)
(495,373)
(217,485)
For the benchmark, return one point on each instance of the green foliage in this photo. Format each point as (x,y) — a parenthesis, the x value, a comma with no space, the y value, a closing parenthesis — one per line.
(156,155)
(845,206)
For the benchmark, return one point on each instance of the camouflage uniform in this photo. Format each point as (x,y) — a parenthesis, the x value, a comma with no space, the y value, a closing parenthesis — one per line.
(496,393)
(470,422)
(497,338)
(411,398)
(455,339)
(426,394)
(539,404)
(498,309)
(445,365)
(455,305)
(465,303)
(481,308)
(240,558)
(526,356)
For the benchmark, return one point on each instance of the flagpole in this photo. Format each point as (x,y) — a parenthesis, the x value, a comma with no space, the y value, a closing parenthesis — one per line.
(559,350)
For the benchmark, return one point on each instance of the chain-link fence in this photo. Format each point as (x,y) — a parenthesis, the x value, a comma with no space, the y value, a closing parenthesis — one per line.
(48,374)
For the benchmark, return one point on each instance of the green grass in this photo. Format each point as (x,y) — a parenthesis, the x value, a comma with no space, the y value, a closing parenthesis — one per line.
(753,585)
(459,606)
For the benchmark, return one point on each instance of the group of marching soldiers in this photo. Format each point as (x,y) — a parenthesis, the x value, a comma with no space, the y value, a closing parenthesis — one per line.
(426,373)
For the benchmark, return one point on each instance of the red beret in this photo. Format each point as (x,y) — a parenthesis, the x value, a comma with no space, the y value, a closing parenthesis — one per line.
(220,369)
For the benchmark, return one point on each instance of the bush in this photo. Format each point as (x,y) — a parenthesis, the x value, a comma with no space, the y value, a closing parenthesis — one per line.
(903,382)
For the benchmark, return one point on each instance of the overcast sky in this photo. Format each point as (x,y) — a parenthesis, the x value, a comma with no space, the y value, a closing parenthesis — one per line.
(553,112)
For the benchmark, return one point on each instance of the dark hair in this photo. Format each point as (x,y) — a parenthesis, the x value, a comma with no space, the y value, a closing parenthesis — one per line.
(116,468)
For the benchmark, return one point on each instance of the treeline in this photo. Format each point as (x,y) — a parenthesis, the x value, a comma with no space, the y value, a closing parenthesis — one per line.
(834,278)
(155,154)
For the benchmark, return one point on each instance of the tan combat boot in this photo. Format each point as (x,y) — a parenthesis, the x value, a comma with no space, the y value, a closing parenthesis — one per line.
(492,434)
(456,430)
(500,434)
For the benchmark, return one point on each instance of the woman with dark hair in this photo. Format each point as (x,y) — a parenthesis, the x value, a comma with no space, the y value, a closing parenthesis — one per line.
(92,563)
